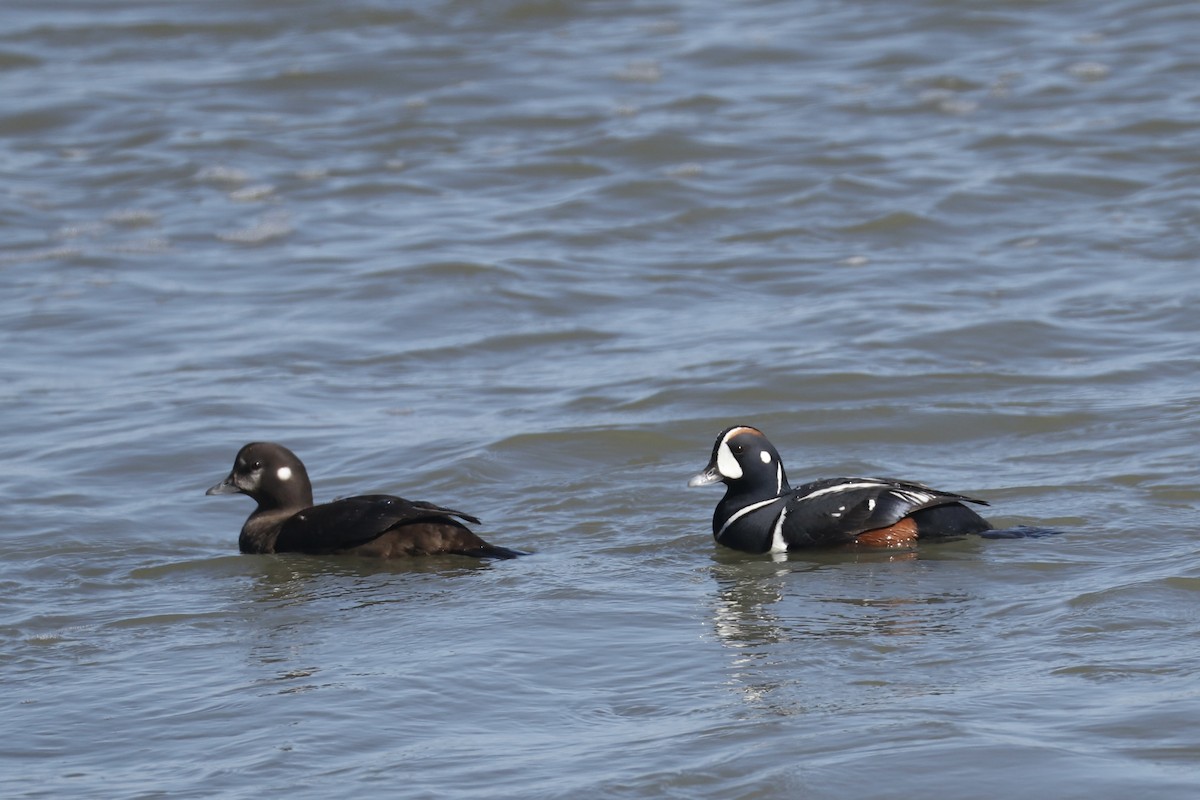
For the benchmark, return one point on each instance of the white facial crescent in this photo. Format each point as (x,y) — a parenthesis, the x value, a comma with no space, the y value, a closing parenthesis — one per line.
(727,465)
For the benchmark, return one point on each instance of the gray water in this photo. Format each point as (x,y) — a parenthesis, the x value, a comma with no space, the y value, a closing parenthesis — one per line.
(526,259)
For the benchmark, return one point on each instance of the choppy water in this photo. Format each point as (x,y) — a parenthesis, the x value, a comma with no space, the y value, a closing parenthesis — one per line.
(527,259)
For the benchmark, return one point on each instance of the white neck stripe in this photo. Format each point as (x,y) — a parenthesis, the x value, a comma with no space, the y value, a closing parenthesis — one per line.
(743,512)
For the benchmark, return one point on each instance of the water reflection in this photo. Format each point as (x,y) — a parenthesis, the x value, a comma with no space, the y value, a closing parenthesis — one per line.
(289,599)
(802,630)
(353,582)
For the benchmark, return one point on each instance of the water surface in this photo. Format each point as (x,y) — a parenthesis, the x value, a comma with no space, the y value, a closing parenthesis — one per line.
(527,259)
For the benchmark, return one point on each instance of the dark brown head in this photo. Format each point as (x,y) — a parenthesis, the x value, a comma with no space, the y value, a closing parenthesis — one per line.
(271,474)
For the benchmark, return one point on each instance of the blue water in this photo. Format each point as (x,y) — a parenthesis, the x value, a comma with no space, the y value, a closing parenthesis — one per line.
(527,259)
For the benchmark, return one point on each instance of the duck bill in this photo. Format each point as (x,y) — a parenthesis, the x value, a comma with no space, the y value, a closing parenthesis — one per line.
(224,487)
(706,478)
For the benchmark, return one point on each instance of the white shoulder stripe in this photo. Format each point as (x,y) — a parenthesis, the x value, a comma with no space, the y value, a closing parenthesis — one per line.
(914,497)
(778,543)
(841,487)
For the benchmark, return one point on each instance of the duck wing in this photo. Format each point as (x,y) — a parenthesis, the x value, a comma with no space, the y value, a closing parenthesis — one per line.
(836,510)
(353,521)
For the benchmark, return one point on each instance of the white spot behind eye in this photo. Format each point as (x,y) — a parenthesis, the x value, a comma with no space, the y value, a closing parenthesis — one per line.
(727,464)
(765,456)
(284,473)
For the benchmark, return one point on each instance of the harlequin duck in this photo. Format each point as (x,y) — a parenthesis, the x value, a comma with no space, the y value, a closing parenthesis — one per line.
(376,525)
(762,513)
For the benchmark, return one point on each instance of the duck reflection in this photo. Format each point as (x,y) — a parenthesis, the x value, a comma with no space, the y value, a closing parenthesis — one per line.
(833,619)
(350,581)
(285,593)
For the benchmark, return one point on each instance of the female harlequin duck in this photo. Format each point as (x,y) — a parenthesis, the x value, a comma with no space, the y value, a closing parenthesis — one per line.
(376,525)
(762,513)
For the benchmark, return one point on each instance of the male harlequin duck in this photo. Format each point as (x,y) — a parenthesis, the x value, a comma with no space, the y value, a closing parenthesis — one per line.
(762,513)
(376,525)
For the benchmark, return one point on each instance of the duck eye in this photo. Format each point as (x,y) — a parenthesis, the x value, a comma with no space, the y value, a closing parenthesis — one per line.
(257,465)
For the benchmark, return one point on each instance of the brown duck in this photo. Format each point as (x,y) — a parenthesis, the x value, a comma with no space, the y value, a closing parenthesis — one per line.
(376,525)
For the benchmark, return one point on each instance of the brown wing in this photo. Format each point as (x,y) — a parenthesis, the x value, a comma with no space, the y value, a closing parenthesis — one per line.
(354,521)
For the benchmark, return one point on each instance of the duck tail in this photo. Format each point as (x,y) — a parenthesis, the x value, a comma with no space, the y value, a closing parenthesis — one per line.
(493,551)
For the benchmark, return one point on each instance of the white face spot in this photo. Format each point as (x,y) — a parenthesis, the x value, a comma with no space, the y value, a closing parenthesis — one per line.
(727,465)
(765,456)
(284,473)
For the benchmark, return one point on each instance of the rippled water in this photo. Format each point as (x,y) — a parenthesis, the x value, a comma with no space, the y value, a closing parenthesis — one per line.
(527,259)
